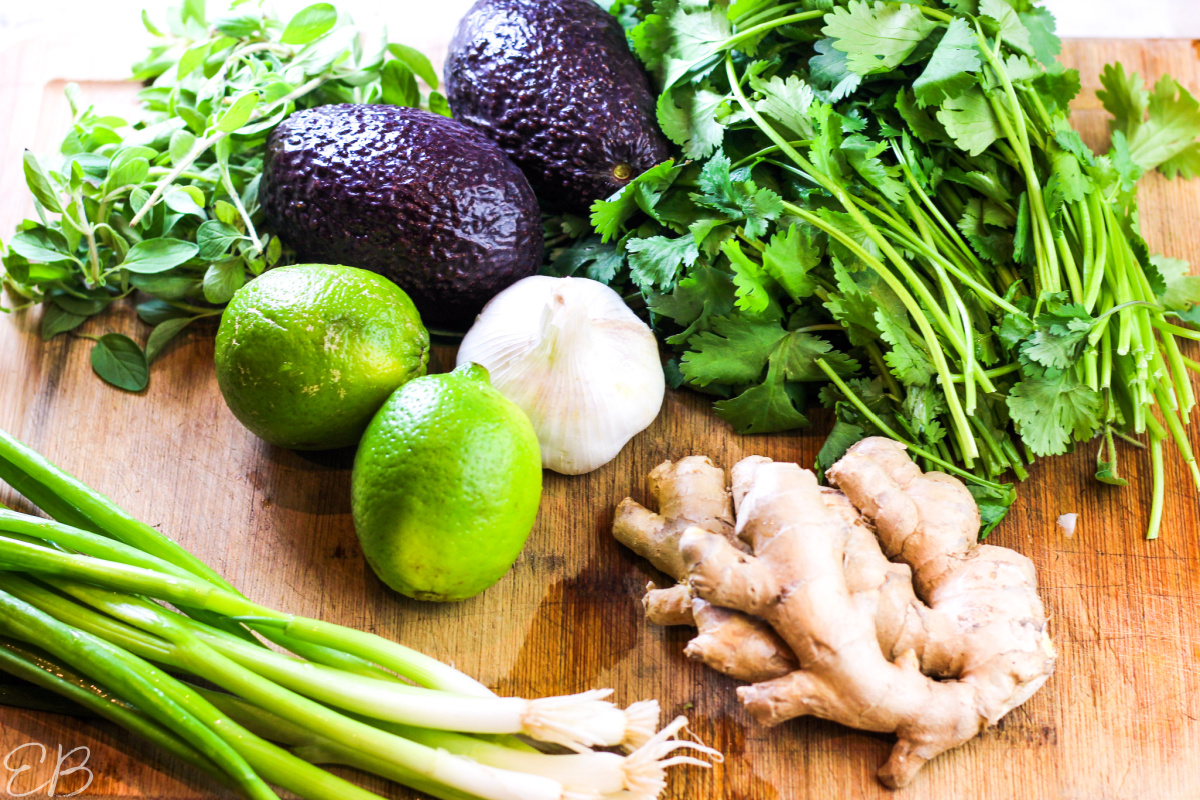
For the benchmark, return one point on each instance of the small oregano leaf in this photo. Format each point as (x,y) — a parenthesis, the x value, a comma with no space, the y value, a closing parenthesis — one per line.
(309,24)
(118,360)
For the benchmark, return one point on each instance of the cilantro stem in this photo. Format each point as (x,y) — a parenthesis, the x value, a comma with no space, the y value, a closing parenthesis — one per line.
(875,420)
(1158,493)
(881,367)
(924,249)
(998,372)
(1038,215)
(1069,266)
(1095,280)
(962,428)
(766,26)
(950,230)
(932,13)
(741,162)
(751,18)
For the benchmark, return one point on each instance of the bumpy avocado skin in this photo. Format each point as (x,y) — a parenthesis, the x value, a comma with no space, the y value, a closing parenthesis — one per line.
(553,82)
(419,198)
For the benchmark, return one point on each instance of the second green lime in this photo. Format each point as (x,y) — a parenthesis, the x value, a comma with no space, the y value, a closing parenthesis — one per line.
(446,486)
(307,354)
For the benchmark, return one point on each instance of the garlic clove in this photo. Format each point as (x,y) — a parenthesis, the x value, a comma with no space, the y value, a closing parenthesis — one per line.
(577,360)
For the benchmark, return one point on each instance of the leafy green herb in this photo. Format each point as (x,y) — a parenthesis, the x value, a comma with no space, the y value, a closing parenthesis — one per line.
(167,203)
(119,360)
(889,196)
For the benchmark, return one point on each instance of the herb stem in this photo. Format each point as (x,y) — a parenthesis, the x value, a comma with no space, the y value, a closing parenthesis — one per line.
(769,25)
(203,145)
(878,422)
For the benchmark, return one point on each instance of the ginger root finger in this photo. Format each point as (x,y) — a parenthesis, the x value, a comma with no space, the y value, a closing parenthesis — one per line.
(845,676)
(990,626)
(725,576)
(873,589)
(688,492)
(743,647)
(668,607)
(737,645)
(692,492)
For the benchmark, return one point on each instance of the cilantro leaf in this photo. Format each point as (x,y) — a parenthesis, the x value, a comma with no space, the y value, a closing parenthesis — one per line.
(876,39)
(908,361)
(696,34)
(854,304)
(983,223)
(970,121)
(706,293)
(1106,468)
(922,406)
(1051,410)
(1067,181)
(651,39)
(1013,329)
(789,258)
(1060,334)
(863,154)
(735,194)
(766,408)
(1070,140)
(993,505)
(595,259)
(1160,129)
(643,192)
(786,102)
(687,115)
(1123,96)
(923,125)
(1042,36)
(654,263)
(1058,87)
(829,69)
(1008,24)
(951,68)
(841,438)
(734,350)
(798,353)
(749,279)
(1168,138)
(1182,294)
(825,152)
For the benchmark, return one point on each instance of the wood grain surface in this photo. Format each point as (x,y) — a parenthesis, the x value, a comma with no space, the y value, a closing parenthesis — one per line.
(1119,719)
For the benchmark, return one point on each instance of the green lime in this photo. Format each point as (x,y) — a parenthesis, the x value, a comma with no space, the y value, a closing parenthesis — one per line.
(307,354)
(446,486)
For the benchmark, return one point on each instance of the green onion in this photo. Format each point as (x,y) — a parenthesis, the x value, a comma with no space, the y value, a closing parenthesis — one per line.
(87,590)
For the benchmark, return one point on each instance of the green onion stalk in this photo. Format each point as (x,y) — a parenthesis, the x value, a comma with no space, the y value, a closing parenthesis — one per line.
(81,615)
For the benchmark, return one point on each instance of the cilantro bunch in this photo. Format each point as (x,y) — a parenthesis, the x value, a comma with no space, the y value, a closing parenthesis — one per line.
(883,208)
(164,208)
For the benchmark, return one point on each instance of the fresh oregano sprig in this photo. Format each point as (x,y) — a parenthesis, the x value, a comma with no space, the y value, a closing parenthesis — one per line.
(164,208)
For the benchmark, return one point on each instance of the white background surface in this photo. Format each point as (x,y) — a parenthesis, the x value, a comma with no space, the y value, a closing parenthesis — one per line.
(113,25)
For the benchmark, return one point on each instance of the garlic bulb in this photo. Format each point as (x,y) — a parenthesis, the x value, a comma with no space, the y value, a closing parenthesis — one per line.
(576,360)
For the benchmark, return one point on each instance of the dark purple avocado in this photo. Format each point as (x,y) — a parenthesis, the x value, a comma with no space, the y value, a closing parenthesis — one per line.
(553,82)
(421,199)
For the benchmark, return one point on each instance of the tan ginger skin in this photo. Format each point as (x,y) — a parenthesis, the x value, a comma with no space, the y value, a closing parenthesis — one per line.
(872,606)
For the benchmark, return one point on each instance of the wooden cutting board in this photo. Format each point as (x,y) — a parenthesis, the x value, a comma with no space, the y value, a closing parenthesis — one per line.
(1119,719)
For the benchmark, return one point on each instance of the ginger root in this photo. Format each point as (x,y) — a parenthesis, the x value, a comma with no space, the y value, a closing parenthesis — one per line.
(870,604)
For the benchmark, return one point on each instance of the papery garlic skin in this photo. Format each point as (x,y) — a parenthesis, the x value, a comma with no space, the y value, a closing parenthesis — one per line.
(576,360)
